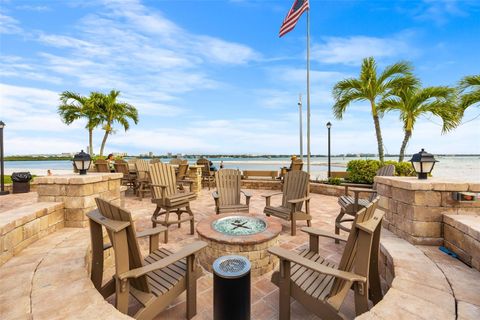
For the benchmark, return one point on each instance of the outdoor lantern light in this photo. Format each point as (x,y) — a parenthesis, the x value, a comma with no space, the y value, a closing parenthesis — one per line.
(329,125)
(82,161)
(329,174)
(423,163)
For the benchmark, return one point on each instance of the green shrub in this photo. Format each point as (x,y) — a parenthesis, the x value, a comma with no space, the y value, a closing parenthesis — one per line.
(363,171)
(334,181)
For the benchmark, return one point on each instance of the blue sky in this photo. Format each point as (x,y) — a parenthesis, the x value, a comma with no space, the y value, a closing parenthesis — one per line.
(213,76)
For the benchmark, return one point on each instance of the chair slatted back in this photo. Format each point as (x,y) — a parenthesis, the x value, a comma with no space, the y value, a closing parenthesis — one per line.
(162,174)
(295,186)
(358,249)
(142,167)
(182,170)
(296,165)
(101,165)
(113,212)
(176,161)
(228,186)
(121,166)
(385,171)
(205,163)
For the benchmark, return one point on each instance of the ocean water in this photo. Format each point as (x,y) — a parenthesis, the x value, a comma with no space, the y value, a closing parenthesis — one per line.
(463,168)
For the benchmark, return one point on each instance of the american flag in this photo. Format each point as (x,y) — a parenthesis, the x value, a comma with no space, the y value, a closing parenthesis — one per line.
(299,6)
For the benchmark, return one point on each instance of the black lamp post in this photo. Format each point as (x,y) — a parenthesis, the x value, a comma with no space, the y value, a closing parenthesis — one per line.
(423,163)
(2,171)
(329,125)
(82,162)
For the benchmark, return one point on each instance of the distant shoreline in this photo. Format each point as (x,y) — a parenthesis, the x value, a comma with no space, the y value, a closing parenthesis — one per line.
(59,158)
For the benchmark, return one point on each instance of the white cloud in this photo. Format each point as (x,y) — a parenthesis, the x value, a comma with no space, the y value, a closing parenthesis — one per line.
(351,50)
(440,11)
(9,25)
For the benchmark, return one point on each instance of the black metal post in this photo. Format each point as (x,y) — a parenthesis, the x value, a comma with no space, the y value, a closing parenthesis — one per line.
(329,125)
(2,171)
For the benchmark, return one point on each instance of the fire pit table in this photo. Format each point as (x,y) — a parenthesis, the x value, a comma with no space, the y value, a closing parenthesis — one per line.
(241,234)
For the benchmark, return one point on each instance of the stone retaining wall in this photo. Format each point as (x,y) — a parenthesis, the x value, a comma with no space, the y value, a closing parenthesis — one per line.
(79,193)
(414,208)
(20,227)
(462,236)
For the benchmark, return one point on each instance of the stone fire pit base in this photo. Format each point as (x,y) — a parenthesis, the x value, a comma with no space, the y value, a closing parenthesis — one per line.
(254,247)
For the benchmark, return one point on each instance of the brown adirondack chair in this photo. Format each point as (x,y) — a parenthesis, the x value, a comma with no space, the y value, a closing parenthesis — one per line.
(128,178)
(175,161)
(101,165)
(168,198)
(295,165)
(295,193)
(227,197)
(320,285)
(351,205)
(143,177)
(207,175)
(154,281)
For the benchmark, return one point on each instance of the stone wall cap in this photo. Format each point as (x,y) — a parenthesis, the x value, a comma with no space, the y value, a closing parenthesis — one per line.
(433,183)
(470,223)
(78,179)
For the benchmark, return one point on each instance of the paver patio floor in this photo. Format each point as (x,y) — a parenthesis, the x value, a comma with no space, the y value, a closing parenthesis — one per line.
(264,295)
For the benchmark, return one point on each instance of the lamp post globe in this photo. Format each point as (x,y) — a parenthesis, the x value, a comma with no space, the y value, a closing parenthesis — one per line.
(329,125)
(82,162)
(423,163)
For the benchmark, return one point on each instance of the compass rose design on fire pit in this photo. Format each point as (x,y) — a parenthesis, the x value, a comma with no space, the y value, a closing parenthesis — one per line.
(239,225)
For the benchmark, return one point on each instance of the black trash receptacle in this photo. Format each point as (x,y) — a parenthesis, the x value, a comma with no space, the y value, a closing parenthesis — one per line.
(231,288)
(21,182)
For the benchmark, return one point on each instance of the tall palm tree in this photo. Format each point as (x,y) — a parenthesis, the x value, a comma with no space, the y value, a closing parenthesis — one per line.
(371,87)
(75,106)
(114,111)
(470,88)
(413,101)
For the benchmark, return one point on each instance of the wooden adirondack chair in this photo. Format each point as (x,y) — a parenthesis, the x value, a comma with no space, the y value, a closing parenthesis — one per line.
(154,281)
(320,285)
(168,198)
(207,175)
(128,179)
(295,165)
(227,197)
(295,193)
(101,165)
(175,161)
(351,205)
(143,177)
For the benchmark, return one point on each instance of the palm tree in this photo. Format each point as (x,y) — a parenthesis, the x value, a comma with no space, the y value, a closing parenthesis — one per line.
(413,101)
(74,106)
(113,111)
(470,88)
(370,87)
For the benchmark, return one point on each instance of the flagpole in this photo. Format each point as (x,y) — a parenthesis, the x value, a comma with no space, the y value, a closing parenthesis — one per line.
(301,124)
(308,91)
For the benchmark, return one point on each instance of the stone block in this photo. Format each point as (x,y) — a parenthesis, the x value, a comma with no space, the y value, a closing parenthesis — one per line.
(113,184)
(31,228)
(383,202)
(424,229)
(403,195)
(384,190)
(428,198)
(43,223)
(51,190)
(46,198)
(12,239)
(56,217)
(474,187)
(76,224)
(99,187)
(76,190)
(424,241)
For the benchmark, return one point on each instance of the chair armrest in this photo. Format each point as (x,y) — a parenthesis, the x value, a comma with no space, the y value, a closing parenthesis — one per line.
(359,185)
(110,225)
(321,233)
(292,257)
(299,200)
(215,195)
(271,195)
(358,190)
(185,252)
(151,231)
(185,181)
(246,193)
